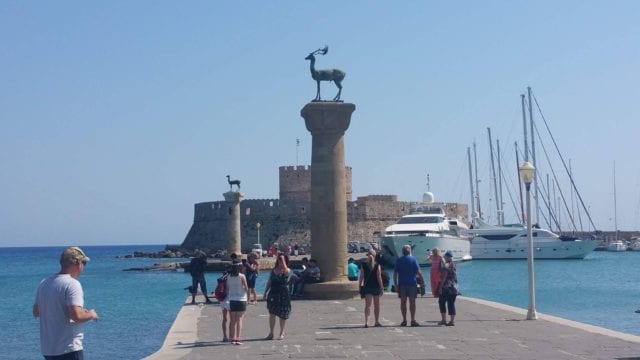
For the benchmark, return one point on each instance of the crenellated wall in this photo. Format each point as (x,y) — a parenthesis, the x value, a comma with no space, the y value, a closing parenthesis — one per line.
(295,183)
(286,220)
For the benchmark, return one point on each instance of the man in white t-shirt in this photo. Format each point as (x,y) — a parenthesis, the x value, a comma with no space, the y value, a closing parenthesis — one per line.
(60,306)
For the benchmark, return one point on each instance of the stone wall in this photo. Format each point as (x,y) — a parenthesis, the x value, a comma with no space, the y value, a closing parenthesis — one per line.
(288,222)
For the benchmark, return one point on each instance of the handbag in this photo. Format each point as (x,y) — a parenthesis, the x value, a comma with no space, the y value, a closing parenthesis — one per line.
(450,289)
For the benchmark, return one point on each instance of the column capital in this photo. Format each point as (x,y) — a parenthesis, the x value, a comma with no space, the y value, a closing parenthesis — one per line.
(233,196)
(327,117)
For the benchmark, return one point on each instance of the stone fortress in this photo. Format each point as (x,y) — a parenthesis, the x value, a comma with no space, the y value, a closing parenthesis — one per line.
(286,221)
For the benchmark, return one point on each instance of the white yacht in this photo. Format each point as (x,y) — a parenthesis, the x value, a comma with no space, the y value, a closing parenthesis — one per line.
(425,228)
(616,246)
(510,242)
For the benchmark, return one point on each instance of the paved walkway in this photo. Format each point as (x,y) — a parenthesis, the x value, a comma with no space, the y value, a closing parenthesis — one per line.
(334,330)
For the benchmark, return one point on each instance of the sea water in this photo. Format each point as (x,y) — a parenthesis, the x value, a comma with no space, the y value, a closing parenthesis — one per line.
(137,308)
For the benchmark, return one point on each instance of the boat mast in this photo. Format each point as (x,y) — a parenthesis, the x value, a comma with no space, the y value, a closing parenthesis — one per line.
(472,209)
(549,199)
(524,126)
(495,182)
(500,182)
(533,157)
(526,145)
(519,182)
(615,202)
(475,159)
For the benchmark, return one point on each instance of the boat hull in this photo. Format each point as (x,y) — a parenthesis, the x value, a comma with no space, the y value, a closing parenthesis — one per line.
(517,249)
(422,245)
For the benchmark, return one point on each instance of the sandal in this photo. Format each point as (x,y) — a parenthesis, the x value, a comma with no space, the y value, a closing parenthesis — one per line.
(404,323)
(442,322)
(377,324)
(281,337)
(269,337)
(414,323)
(451,323)
(225,339)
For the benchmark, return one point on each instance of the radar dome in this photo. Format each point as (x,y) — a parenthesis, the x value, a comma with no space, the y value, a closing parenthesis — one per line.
(427,197)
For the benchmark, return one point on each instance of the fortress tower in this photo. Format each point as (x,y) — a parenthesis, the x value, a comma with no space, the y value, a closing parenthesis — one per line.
(295,183)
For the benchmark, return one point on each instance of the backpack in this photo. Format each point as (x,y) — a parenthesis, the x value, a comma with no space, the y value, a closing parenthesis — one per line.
(220,293)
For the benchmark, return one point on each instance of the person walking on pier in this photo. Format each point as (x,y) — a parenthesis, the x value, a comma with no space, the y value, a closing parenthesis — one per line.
(197,267)
(448,289)
(371,284)
(277,295)
(238,295)
(434,271)
(60,306)
(251,270)
(405,277)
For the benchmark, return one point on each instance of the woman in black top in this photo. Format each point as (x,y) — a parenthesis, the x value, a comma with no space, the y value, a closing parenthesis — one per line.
(371,285)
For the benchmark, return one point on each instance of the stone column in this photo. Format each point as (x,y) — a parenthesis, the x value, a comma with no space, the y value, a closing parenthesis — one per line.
(234,241)
(327,122)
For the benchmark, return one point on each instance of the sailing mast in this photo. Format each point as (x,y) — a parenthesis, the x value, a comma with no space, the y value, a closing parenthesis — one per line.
(533,157)
(493,171)
(519,182)
(500,183)
(475,159)
(615,202)
(472,210)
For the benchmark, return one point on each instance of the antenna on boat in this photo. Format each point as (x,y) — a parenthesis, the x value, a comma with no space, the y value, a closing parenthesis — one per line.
(428,183)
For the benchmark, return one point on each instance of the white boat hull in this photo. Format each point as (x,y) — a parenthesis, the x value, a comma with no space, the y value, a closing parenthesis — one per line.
(517,249)
(616,246)
(422,245)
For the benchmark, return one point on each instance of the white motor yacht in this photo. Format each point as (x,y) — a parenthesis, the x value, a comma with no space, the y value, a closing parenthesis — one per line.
(510,242)
(426,228)
(617,245)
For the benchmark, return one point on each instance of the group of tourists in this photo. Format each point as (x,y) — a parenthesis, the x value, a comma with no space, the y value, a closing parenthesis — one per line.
(409,281)
(59,299)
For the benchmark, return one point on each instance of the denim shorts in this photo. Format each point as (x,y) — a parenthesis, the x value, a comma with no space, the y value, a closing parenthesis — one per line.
(410,291)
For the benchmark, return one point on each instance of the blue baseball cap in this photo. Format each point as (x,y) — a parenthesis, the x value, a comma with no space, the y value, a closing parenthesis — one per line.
(448,254)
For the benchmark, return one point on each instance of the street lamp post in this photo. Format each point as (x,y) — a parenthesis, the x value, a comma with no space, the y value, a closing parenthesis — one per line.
(258,224)
(527,173)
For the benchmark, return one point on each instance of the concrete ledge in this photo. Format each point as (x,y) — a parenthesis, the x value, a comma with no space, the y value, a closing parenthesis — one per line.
(331,290)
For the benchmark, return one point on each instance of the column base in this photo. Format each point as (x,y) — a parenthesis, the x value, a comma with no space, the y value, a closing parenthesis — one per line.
(331,290)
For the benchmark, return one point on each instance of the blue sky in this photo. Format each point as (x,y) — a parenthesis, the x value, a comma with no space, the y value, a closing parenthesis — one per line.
(116,117)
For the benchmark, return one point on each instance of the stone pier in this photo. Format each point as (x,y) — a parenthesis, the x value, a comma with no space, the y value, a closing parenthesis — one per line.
(234,241)
(327,122)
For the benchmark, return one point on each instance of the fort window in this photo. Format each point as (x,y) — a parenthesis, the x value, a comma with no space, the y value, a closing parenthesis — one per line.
(247,211)
(271,203)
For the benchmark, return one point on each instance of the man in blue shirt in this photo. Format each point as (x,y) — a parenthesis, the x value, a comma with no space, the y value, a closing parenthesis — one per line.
(405,277)
(353,271)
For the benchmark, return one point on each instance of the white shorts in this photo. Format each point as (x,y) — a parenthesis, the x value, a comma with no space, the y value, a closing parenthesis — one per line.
(224,304)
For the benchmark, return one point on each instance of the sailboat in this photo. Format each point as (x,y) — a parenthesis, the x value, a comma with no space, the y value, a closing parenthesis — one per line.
(616,245)
(510,241)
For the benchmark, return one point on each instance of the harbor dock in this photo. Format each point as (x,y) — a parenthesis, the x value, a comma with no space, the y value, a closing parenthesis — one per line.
(333,329)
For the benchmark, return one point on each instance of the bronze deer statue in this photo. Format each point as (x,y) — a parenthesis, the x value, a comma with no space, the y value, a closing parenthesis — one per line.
(334,75)
(233,182)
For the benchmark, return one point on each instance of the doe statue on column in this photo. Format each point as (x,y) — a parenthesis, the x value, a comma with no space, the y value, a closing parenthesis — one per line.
(233,199)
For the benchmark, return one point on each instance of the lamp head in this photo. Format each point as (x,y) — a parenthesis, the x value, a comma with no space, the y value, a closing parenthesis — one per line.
(527,172)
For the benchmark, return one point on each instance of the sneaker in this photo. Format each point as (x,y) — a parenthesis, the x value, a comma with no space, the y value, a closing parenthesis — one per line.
(238,342)
(404,323)
(414,323)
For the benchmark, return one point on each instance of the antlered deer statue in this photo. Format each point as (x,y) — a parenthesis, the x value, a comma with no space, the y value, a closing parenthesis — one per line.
(334,75)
